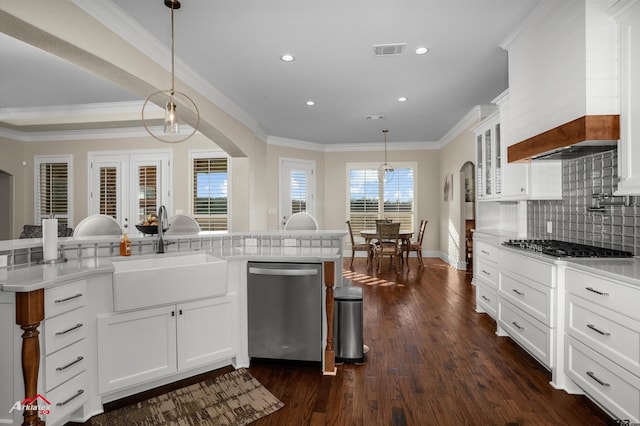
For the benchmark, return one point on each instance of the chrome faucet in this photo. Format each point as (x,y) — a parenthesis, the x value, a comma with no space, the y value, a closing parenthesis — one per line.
(162,219)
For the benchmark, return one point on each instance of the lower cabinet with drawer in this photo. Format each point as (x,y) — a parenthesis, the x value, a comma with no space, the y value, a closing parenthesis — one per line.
(65,350)
(526,302)
(602,341)
(486,277)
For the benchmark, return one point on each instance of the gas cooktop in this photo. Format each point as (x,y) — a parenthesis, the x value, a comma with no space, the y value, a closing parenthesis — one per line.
(565,249)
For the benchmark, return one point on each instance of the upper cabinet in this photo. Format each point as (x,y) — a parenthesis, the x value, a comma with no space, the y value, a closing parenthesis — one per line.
(526,180)
(498,180)
(488,158)
(627,15)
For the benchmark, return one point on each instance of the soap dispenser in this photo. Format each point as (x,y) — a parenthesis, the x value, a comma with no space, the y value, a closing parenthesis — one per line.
(125,245)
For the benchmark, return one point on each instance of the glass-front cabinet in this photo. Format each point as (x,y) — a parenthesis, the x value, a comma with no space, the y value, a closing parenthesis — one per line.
(489,158)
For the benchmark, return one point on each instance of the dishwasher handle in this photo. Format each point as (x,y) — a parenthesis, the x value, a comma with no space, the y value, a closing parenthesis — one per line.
(283,272)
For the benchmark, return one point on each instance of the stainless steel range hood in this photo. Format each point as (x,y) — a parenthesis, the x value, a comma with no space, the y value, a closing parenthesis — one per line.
(582,136)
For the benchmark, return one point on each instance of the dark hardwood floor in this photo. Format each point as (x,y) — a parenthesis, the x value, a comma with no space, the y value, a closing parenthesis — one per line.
(432,361)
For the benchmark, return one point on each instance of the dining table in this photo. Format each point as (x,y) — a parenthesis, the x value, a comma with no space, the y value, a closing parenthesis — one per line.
(369,234)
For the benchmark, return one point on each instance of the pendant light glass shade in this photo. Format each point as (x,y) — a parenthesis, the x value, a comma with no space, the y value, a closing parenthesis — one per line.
(170,99)
(386,170)
(171,126)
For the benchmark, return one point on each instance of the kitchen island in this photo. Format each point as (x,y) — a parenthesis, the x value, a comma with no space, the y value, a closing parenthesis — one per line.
(87,278)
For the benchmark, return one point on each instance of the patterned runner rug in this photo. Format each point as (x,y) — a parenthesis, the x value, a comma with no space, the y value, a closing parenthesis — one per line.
(235,398)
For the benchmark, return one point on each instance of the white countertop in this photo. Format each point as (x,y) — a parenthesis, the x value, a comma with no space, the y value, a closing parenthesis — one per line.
(627,270)
(620,269)
(34,277)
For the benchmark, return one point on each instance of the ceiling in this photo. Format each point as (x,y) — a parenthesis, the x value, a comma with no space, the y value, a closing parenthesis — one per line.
(235,46)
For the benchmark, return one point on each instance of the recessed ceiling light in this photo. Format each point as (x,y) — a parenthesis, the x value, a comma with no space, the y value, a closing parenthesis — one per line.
(403,99)
(287,57)
(310,103)
(422,50)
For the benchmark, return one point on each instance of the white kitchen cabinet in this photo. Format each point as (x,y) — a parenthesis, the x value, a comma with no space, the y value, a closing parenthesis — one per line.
(627,14)
(526,304)
(538,180)
(602,344)
(205,332)
(488,158)
(139,346)
(485,276)
(66,355)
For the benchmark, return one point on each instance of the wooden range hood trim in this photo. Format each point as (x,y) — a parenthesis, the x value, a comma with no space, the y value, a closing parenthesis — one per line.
(586,128)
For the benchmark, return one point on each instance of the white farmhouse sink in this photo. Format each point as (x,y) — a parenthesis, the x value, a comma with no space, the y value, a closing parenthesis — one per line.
(164,279)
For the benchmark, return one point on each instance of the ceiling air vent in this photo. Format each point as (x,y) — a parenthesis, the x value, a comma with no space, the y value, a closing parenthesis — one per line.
(388,49)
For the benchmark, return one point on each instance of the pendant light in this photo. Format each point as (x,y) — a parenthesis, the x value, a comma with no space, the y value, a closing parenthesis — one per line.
(385,171)
(170,100)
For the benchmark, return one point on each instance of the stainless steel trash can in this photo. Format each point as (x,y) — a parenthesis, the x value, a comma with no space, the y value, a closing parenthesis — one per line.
(347,325)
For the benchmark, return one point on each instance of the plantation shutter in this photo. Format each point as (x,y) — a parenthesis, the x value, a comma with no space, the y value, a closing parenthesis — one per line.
(298,187)
(109,191)
(210,197)
(398,198)
(147,192)
(53,192)
(366,191)
(364,198)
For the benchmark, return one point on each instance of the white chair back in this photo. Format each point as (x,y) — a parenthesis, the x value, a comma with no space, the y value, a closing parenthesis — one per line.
(97,224)
(301,221)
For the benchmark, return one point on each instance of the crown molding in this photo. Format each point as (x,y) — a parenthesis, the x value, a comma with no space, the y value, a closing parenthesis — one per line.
(350,147)
(477,113)
(75,135)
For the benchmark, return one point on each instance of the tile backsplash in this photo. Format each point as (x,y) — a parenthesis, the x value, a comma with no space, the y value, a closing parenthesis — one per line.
(614,226)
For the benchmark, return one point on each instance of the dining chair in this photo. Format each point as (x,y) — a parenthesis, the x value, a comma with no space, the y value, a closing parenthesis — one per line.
(359,246)
(301,221)
(409,246)
(387,244)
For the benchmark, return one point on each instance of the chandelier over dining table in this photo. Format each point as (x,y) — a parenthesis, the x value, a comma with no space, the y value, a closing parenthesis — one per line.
(386,170)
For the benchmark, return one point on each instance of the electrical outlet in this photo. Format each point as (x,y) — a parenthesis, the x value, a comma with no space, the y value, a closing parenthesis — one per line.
(549,227)
(3,260)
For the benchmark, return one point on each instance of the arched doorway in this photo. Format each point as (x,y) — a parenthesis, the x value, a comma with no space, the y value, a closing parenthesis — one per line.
(6,206)
(467,190)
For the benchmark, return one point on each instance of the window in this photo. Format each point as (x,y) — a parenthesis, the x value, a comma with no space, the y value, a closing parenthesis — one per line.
(210,198)
(366,193)
(53,189)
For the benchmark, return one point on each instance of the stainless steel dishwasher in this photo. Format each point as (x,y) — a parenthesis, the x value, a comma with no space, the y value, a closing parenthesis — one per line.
(285,310)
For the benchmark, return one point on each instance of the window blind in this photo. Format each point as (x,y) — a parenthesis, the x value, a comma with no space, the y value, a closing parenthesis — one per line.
(53,191)
(366,192)
(298,187)
(210,193)
(109,191)
(147,191)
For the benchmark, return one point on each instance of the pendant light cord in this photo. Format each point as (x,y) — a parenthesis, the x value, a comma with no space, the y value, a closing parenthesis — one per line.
(172,57)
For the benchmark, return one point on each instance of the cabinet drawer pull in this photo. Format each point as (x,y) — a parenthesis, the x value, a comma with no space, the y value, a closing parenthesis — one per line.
(486,298)
(593,290)
(75,361)
(518,326)
(71,398)
(66,299)
(518,292)
(485,252)
(486,272)
(75,327)
(600,382)
(594,328)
